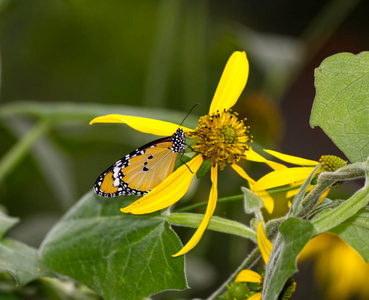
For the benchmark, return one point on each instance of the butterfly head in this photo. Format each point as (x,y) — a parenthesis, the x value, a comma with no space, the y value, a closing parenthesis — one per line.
(178,140)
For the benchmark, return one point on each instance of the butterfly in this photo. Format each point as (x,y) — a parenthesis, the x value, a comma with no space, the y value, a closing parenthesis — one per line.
(143,169)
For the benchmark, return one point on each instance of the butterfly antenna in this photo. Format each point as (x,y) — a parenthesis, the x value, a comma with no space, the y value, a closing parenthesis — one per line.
(183,152)
(189,113)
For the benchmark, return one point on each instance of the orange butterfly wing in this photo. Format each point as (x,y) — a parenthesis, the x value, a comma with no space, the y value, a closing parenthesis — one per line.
(142,170)
(147,171)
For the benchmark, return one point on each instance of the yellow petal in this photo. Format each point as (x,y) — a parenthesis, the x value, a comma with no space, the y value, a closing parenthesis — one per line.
(318,245)
(292,159)
(168,192)
(265,245)
(282,177)
(256,296)
(292,193)
(324,195)
(267,199)
(208,214)
(243,174)
(232,82)
(145,125)
(254,156)
(248,276)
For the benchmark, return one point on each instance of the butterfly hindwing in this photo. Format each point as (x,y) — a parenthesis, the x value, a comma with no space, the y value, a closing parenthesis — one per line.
(143,169)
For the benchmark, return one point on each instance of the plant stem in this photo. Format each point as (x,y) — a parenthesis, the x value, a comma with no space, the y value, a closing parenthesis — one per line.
(326,179)
(234,198)
(246,264)
(200,204)
(215,223)
(9,161)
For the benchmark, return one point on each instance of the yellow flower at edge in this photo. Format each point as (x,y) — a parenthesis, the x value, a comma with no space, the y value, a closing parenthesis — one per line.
(338,268)
(297,175)
(265,247)
(225,141)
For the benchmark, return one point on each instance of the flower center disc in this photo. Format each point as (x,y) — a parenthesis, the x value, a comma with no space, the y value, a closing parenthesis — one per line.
(221,137)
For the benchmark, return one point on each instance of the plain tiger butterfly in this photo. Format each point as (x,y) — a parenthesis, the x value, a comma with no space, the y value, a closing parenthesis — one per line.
(140,171)
(143,169)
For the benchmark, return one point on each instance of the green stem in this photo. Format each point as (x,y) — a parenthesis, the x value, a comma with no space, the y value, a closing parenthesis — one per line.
(216,223)
(326,179)
(234,198)
(333,217)
(201,204)
(9,161)
(246,264)
(283,189)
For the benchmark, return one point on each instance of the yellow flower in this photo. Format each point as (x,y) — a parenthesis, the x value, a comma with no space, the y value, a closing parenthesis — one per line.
(221,138)
(265,247)
(338,268)
(297,175)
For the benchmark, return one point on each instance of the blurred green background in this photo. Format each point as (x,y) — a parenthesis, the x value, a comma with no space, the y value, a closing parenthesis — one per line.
(68,61)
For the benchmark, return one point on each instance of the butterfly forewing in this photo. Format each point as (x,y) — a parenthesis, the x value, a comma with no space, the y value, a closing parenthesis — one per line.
(143,169)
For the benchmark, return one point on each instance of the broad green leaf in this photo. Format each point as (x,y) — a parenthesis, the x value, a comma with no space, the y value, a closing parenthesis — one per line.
(21,261)
(6,223)
(293,234)
(355,232)
(341,106)
(119,256)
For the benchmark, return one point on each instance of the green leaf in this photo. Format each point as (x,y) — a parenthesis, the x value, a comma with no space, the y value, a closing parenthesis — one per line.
(119,256)
(252,202)
(21,261)
(6,223)
(341,106)
(355,232)
(293,234)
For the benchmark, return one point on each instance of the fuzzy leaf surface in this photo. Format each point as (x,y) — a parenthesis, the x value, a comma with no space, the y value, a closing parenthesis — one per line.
(355,232)
(294,233)
(119,256)
(341,106)
(6,222)
(21,261)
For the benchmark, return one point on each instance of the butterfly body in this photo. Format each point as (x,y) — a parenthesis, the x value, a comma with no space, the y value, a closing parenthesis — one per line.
(143,169)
